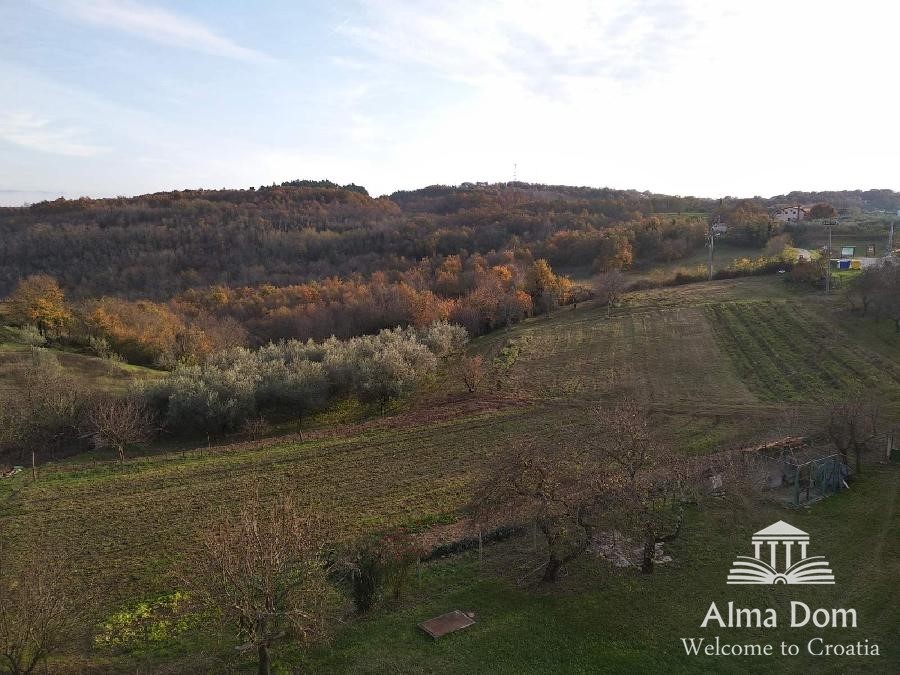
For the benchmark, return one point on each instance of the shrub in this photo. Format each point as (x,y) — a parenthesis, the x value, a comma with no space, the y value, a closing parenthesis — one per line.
(31,336)
(400,554)
(147,624)
(365,575)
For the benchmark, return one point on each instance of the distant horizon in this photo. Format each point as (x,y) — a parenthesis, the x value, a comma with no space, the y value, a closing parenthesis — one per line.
(50,195)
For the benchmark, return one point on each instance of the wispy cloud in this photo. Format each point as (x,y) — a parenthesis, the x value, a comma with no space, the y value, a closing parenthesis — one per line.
(546,48)
(41,133)
(158,25)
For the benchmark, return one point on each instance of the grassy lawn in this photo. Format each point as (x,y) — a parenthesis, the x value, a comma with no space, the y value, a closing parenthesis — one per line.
(655,356)
(606,620)
(724,255)
(122,526)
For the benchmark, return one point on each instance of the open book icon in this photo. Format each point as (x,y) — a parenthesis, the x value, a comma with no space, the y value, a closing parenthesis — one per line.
(812,570)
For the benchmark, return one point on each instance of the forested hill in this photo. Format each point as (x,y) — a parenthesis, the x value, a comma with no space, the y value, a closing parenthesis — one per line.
(844,200)
(155,246)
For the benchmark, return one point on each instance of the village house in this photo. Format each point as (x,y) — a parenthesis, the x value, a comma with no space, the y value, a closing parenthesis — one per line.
(791,214)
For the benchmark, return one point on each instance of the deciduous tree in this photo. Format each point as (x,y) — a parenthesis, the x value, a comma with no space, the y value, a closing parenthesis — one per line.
(559,488)
(821,211)
(610,287)
(263,570)
(120,421)
(852,424)
(652,480)
(38,614)
(471,371)
(39,301)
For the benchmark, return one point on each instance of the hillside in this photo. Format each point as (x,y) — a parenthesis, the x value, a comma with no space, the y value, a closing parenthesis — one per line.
(159,245)
(92,372)
(720,364)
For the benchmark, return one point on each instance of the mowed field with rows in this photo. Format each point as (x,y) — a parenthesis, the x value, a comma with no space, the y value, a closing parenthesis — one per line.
(787,351)
(124,526)
(703,358)
(656,357)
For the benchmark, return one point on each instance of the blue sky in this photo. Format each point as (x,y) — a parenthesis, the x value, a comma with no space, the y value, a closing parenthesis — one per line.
(108,97)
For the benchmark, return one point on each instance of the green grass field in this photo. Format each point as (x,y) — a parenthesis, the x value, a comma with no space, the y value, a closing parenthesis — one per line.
(613,621)
(718,363)
(788,351)
(92,371)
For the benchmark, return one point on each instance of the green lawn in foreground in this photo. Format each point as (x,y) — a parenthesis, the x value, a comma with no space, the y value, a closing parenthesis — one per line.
(600,620)
(618,621)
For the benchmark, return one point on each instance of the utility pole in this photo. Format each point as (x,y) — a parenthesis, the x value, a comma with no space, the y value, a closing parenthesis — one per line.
(890,250)
(711,235)
(828,260)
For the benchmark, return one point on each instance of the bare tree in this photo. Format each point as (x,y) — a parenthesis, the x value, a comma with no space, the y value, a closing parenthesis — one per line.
(653,481)
(580,293)
(851,426)
(48,409)
(470,371)
(556,488)
(37,615)
(863,289)
(119,422)
(263,570)
(610,287)
(258,427)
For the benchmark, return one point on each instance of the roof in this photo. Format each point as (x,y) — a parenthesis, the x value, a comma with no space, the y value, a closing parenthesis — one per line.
(781,530)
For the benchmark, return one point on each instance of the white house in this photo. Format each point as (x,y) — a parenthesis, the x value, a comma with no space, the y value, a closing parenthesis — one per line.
(791,214)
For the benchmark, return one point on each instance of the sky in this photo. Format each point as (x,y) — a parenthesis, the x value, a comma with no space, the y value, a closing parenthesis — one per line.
(689,97)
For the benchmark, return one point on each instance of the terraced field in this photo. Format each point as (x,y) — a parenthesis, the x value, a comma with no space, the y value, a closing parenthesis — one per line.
(787,351)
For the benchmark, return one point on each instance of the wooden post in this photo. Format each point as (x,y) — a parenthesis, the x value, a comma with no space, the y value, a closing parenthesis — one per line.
(797,486)
(479,548)
(33,466)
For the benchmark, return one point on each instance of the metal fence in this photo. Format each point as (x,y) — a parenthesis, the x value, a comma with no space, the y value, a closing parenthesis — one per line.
(796,478)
